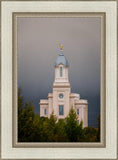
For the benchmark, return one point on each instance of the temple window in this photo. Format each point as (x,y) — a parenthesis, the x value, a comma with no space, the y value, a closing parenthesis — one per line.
(78,111)
(61,72)
(61,110)
(45,111)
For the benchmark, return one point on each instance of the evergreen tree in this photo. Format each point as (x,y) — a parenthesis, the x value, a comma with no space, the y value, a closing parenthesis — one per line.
(90,134)
(33,128)
(61,135)
(98,131)
(72,126)
(49,128)
(25,119)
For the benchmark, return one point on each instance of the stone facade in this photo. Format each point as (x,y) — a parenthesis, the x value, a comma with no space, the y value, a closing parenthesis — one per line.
(61,99)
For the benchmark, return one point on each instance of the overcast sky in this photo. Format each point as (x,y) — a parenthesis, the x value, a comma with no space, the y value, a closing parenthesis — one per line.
(38,48)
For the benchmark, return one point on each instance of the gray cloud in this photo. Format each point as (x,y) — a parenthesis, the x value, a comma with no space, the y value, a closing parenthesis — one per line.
(38,48)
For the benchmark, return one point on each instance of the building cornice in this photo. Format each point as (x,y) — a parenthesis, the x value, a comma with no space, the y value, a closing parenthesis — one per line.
(43,103)
(81,103)
(50,95)
(61,86)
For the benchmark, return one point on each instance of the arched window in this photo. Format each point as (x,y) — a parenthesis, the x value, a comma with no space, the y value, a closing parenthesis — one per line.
(61,72)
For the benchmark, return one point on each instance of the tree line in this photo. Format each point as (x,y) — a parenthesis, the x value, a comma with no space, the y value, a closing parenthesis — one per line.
(33,128)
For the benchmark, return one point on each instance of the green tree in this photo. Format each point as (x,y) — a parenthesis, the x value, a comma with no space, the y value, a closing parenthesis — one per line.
(98,131)
(90,134)
(20,101)
(20,113)
(49,128)
(80,132)
(33,128)
(25,125)
(26,119)
(61,135)
(72,126)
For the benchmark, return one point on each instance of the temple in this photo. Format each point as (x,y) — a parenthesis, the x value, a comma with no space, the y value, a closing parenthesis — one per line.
(61,99)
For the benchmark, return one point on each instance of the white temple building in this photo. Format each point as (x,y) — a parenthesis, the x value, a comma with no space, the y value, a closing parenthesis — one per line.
(61,99)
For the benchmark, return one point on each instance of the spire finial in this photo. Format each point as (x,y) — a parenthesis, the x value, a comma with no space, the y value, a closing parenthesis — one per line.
(61,47)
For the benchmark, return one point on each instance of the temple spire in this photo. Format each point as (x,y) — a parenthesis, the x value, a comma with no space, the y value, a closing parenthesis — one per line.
(61,59)
(61,47)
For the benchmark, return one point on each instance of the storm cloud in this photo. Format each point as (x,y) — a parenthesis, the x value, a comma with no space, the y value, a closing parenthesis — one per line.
(38,48)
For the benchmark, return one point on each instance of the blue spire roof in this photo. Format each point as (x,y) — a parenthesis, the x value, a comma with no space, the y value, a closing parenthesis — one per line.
(61,59)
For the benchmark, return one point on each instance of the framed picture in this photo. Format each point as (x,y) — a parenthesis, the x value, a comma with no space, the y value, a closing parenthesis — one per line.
(59,80)
(56,109)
